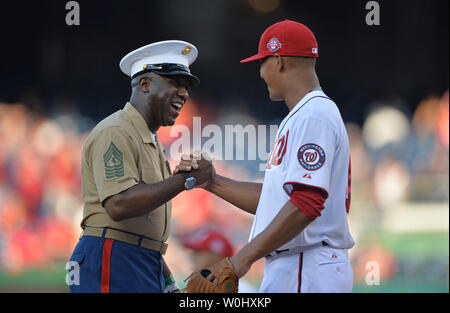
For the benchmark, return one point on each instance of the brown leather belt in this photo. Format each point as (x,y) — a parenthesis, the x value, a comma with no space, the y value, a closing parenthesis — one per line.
(130,238)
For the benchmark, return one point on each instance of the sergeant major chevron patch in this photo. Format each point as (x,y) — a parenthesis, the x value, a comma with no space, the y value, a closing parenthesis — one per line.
(113,162)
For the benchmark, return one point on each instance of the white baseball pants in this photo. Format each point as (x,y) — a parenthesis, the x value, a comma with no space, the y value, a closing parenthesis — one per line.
(318,270)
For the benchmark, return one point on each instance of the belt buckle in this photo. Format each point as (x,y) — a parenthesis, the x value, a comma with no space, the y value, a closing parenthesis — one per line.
(163,248)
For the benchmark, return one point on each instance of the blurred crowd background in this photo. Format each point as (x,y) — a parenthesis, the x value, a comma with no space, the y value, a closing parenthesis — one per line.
(389,81)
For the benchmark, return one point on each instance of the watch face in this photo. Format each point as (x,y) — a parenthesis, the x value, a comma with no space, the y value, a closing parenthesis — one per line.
(190,183)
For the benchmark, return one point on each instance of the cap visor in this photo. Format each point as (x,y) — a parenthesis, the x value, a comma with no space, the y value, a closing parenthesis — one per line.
(253,58)
(193,80)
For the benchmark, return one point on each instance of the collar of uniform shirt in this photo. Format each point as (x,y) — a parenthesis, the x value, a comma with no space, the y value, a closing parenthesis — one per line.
(140,124)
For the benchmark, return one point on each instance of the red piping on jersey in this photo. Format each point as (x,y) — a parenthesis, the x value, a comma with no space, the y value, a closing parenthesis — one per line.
(300,267)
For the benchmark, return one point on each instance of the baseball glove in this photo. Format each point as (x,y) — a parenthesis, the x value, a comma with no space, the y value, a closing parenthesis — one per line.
(225,280)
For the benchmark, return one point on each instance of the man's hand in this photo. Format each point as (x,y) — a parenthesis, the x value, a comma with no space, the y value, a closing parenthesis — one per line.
(187,164)
(200,166)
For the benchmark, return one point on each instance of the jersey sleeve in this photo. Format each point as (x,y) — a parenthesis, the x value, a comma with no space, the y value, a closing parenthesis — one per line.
(311,149)
(114,162)
(309,201)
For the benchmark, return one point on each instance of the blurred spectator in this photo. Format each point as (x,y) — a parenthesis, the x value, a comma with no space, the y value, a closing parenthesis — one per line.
(385,125)
(384,258)
(361,165)
(442,123)
(39,173)
(391,182)
(209,247)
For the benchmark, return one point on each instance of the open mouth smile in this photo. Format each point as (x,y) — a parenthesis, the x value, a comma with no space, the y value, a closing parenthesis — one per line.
(177,106)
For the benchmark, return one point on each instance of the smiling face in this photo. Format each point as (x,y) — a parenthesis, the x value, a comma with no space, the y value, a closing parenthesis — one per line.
(167,96)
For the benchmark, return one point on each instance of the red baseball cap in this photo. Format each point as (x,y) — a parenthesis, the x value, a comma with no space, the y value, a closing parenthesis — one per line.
(208,240)
(287,38)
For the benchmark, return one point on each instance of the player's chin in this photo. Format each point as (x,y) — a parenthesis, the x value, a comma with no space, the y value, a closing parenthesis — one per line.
(170,121)
(275,97)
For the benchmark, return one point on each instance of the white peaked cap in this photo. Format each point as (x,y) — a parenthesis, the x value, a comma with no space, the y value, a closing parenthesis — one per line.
(169,51)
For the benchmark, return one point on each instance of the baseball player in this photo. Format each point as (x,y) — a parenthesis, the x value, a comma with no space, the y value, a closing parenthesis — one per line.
(300,223)
(209,246)
(126,181)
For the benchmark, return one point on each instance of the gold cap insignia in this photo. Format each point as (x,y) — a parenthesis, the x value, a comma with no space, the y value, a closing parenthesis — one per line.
(144,66)
(186,50)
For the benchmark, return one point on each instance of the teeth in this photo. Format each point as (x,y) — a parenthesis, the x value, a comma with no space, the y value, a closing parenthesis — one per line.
(177,105)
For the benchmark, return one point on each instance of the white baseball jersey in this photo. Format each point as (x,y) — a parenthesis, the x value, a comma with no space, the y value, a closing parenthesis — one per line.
(311,149)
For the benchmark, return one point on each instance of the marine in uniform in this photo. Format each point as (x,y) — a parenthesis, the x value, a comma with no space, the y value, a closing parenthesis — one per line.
(127,184)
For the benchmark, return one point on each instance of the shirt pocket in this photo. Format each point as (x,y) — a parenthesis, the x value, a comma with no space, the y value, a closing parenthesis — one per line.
(330,256)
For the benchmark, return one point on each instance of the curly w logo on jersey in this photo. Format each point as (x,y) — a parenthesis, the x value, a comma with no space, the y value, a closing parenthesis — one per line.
(311,156)
(278,151)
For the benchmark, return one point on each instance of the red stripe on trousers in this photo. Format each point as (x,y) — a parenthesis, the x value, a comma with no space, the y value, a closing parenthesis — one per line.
(300,266)
(106,265)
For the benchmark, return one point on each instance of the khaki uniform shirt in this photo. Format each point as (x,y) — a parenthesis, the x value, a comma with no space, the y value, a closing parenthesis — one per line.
(119,153)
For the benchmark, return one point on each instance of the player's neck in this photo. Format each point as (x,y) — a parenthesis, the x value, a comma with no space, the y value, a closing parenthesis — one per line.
(299,88)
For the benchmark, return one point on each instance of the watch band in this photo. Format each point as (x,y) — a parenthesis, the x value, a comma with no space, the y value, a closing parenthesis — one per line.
(186,175)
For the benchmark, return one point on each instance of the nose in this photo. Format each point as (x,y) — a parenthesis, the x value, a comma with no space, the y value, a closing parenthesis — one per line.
(183,93)
(261,72)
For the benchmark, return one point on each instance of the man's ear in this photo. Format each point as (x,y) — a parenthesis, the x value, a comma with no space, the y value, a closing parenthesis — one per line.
(144,84)
(280,62)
